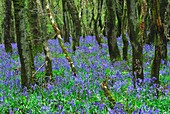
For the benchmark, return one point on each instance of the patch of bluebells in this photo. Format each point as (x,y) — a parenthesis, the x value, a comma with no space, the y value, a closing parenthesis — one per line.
(81,94)
(146,110)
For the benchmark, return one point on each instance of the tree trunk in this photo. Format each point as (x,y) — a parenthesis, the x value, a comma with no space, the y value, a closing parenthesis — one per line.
(7,26)
(76,22)
(23,44)
(82,6)
(92,18)
(159,40)
(163,6)
(97,22)
(105,24)
(13,34)
(60,39)
(34,27)
(119,13)
(111,34)
(136,39)
(87,16)
(123,26)
(65,19)
(48,61)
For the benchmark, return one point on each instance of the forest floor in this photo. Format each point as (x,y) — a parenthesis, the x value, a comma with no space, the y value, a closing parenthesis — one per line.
(83,94)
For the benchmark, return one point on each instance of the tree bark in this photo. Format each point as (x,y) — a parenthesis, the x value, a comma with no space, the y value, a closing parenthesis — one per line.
(97,22)
(60,39)
(7,26)
(34,27)
(119,13)
(13,34)
(123,26)
(48,61)
(159,37)
(76,23)
(92,18)
(65,19)
(136,39)
(111,32)
(163,6)
(22,44)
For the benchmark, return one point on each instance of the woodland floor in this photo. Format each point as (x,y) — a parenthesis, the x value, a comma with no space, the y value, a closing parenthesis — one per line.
(83,94)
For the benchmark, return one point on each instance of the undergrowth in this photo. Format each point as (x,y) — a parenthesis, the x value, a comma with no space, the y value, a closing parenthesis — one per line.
(83,94)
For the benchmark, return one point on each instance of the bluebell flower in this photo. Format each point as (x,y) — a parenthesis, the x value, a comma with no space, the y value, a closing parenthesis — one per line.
(45,108)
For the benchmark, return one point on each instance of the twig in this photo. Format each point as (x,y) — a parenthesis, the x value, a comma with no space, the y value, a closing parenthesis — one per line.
(38,70)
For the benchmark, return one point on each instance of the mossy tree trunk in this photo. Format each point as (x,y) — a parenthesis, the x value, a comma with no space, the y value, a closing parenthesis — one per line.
(66,22)
(92,20)
(136,39)
(13,34)
(119,13)
(48,61)
(34,27)
(163,6)
(111,31)
(23,43)
(56,29)
(76,23)
(123,29)
(159,43)
(166,22)
(98,23)
(7,26)
(149,25)
(87,17)
(105,24)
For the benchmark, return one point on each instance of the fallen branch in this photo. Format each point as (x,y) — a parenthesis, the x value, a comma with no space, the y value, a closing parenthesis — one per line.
(38,70)
(108,93)
(60,38)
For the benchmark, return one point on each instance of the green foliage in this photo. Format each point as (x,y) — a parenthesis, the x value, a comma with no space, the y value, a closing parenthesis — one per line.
(1,19)
(47,100)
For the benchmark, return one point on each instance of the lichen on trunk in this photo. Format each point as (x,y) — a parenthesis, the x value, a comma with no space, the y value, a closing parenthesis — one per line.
(23,44)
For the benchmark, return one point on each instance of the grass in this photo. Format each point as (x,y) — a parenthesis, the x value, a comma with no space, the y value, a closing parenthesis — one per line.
(82,94)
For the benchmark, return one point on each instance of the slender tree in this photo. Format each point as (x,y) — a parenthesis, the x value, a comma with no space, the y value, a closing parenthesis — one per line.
(76,22)
(66,22)
(149,25)
(34,26)
(158,37)
(87,11)
(123,26)
(166,22)
(55,27)
(136,39)
(2,13)
(105,23)
(92,17)
(98,23)
(23,43)
(7,26)
(48,61)
(163,6)
(82,17)
(111,32)
(13,34)
(119,14)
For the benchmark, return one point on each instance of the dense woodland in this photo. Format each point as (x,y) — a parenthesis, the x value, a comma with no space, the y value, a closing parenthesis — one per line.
(85,56)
